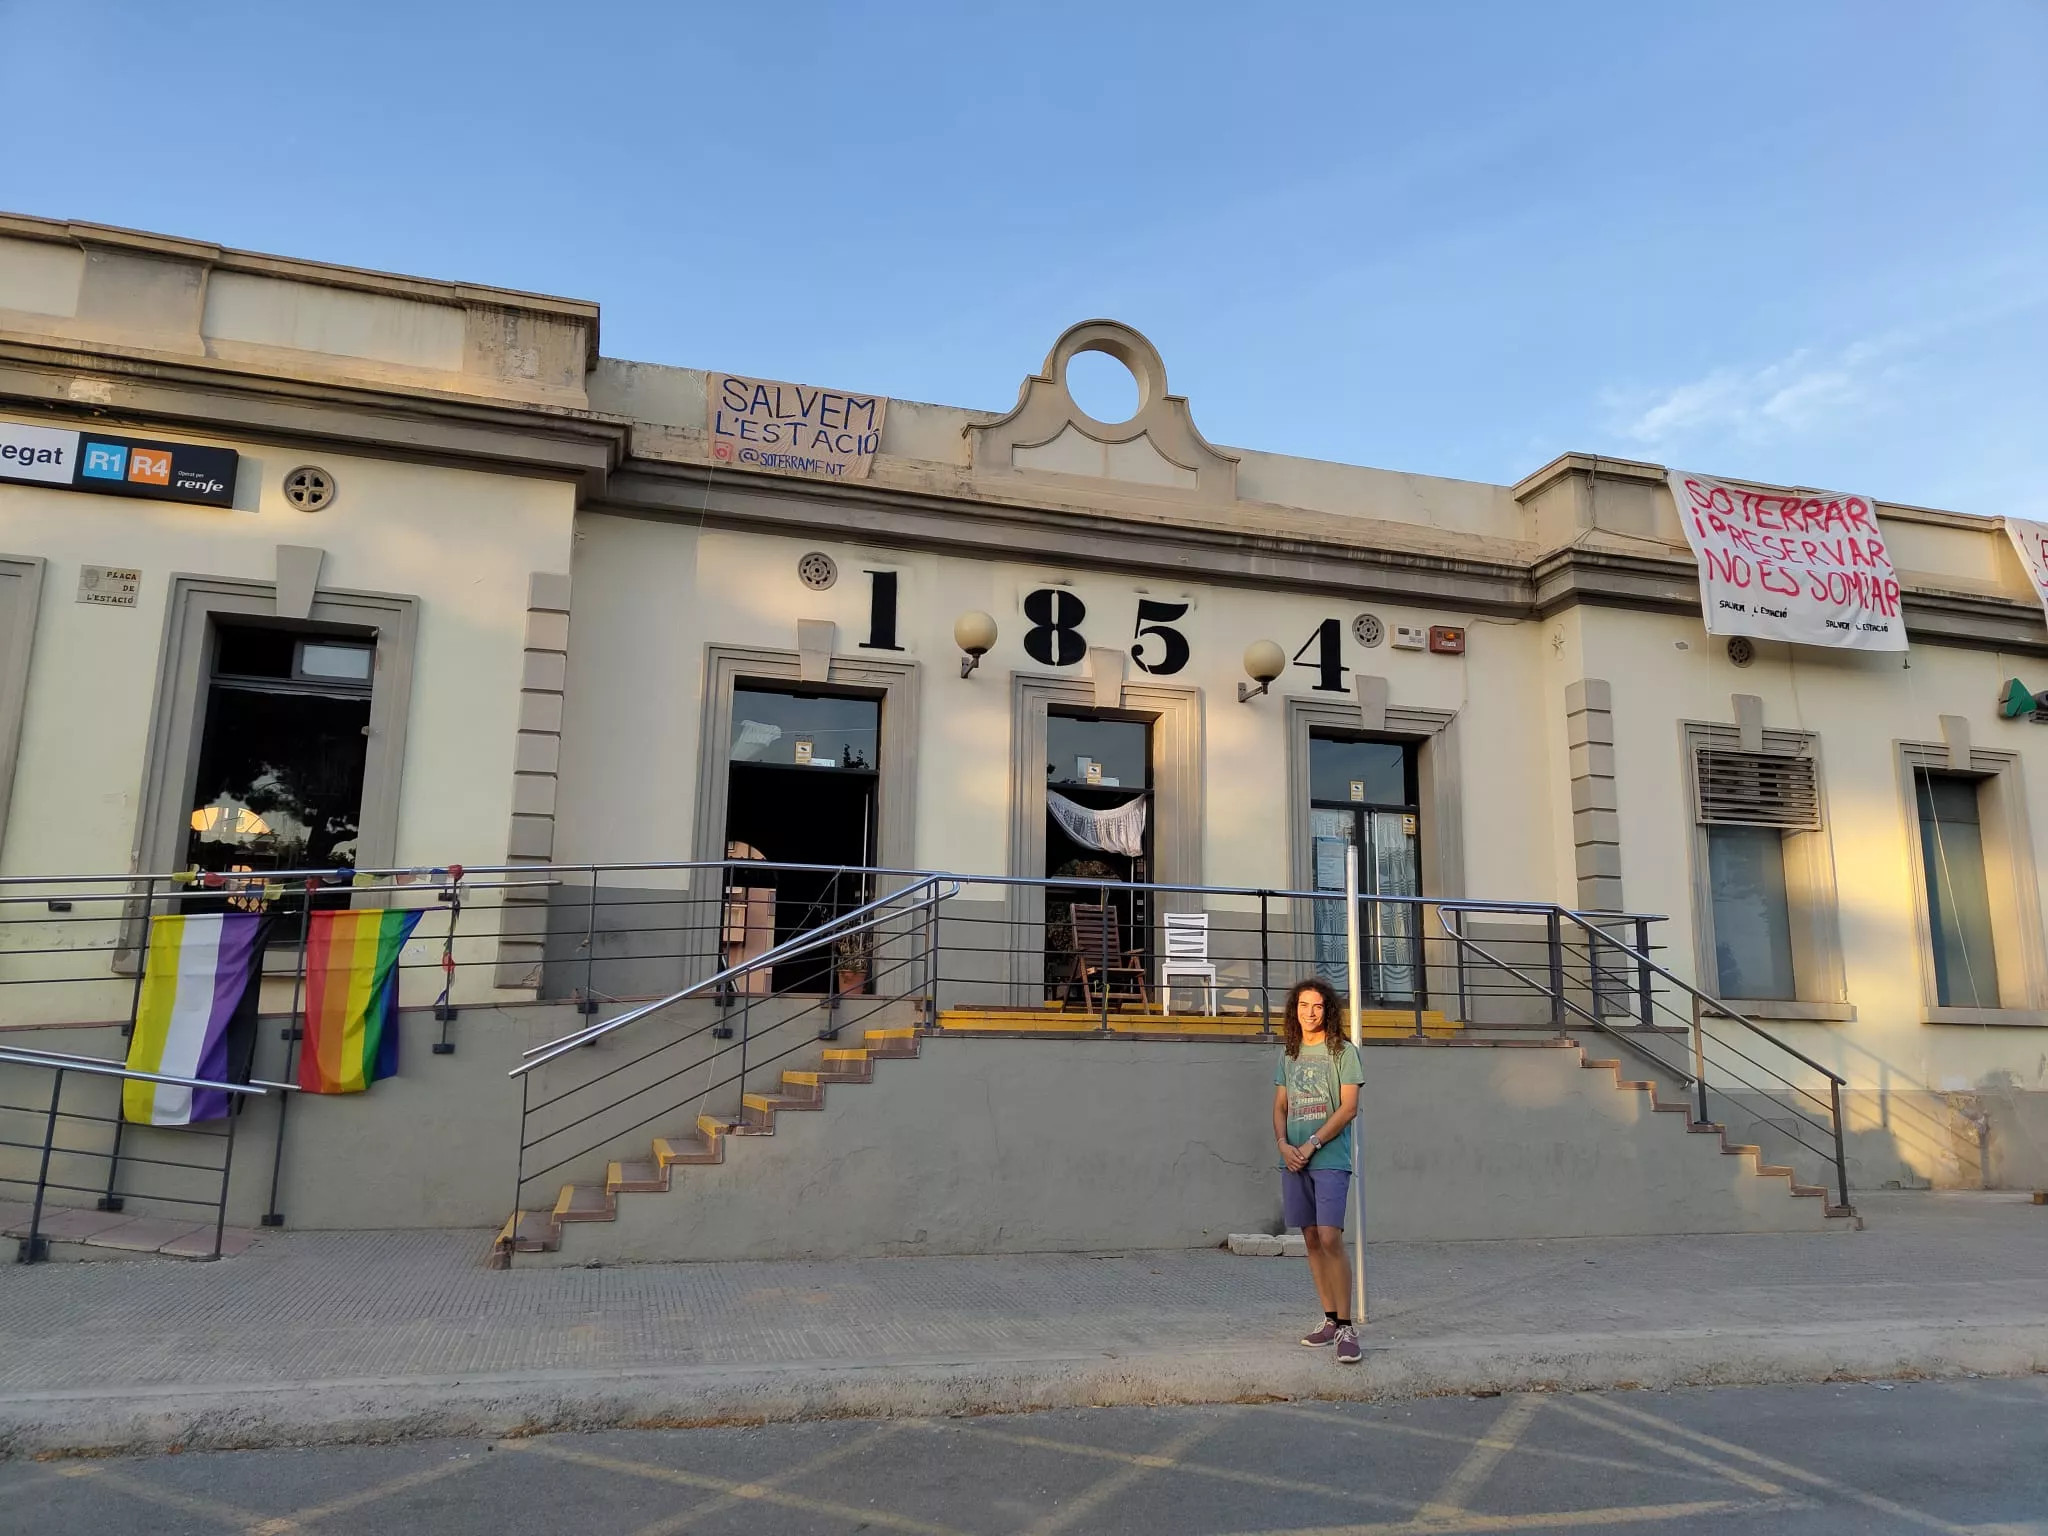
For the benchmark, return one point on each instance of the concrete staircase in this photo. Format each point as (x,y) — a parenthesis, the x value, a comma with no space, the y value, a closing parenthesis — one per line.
(705,1142)
(1758,1166)
(805,1090)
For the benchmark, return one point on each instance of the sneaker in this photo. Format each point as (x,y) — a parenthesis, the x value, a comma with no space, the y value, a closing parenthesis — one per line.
(1348,1351)
(1326,1333)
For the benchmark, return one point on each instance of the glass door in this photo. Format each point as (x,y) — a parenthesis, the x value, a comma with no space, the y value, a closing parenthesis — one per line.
(1362,794)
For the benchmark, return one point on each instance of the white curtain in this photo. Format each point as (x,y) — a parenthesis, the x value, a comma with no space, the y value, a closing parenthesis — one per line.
(1120,829)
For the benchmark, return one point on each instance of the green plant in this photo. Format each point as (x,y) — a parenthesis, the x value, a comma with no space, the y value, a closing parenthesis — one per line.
(854,953)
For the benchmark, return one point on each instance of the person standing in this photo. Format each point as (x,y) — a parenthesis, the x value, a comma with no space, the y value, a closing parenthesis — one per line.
(1315,1099)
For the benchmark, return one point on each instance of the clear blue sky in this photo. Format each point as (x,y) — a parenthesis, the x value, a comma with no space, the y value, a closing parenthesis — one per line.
(1796,241)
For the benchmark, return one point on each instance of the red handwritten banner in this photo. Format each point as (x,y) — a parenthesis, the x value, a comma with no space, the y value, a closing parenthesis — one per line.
(1785,565)
(2030,540)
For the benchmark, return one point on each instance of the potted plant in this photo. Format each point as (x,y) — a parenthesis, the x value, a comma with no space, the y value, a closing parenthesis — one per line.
(851,957)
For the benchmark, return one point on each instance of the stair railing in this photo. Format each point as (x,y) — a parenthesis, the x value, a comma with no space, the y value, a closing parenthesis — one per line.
(34,1247)
(861,919)
(909,911)
(1637,972)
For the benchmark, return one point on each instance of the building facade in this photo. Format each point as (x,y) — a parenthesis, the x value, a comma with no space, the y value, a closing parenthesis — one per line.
(584,611)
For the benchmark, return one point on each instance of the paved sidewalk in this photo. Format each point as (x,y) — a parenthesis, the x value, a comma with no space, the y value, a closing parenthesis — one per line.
(348,1336)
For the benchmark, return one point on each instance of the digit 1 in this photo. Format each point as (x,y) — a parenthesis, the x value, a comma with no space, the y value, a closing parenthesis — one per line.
(1329,662)
(882,612)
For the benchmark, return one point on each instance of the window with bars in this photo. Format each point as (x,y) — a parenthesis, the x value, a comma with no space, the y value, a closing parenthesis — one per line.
(1746,803)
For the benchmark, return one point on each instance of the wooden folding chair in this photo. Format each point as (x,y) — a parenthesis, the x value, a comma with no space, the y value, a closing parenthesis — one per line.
(1100,956)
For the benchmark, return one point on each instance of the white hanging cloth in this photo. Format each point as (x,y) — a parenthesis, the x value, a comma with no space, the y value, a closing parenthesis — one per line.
(1120,829)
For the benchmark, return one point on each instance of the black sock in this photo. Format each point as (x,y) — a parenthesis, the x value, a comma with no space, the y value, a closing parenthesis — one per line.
(1341,1322)
(1329,1314)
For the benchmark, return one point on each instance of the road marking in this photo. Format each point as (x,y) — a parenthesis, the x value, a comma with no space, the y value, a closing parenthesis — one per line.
(1549,1520)
(299,1519)
(668,1525)
(1732,1474)
(1785,1469)
(171,1498)
(852,1512)
(1200,1469)
(1547,1452)
(1085,1504)
(1485,1455)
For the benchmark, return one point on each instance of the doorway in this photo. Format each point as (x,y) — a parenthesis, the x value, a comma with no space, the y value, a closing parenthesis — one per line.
(803,769)
(282,752)
(1098,825)
(1362,794)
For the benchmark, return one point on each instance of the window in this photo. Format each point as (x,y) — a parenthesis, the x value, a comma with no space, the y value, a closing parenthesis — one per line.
(282,751)
(1764,895)
(1975,883)
(1958,895)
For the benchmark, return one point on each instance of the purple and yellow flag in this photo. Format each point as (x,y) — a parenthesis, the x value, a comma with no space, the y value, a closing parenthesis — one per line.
(352,999)
(197,974)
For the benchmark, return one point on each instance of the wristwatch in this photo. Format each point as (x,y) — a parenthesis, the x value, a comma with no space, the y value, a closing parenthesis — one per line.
(1315,1145)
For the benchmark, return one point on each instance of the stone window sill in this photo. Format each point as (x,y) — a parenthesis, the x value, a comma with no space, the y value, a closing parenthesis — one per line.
(2022,1018)
(1792,1012)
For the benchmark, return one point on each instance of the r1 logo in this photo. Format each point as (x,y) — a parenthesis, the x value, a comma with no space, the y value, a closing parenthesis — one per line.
(104,461)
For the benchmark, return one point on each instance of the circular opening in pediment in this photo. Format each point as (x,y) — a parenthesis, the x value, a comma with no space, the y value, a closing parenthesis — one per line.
(1102,386)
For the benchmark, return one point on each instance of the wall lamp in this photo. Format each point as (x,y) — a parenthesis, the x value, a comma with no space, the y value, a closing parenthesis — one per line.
(975,633)
(1264,661)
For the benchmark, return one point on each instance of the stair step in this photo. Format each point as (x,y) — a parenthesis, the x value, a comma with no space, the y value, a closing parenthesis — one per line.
(1739,1151)
(770,1102)
(636,1177)
(808,1087)
(710,1127)
(853,1058)
(1706,1128)
(891,1042)
(584,1202)
(668,1154)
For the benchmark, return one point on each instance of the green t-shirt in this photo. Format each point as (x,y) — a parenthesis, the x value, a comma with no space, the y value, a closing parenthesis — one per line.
(1314,1081)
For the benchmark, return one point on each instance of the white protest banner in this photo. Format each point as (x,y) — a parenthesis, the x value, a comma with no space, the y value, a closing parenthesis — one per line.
(763,424)
(1788,565)
(2031,540)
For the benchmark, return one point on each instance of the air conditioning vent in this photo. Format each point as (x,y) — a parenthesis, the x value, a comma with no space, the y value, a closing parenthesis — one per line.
(1756,789)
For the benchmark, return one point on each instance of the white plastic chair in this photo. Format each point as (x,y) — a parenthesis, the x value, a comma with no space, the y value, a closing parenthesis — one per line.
(1187,956)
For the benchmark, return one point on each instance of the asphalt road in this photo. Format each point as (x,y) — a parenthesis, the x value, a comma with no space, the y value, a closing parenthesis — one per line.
(1968,1456)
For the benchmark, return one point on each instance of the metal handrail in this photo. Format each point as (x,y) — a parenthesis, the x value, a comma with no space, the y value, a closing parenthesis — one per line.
(101,1066)
(1713,1002)
(828,932)
(1697,1077)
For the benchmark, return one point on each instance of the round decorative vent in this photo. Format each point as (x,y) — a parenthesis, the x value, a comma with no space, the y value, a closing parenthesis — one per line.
(309,488)
(817,570)
(1366,629)
(1740,650)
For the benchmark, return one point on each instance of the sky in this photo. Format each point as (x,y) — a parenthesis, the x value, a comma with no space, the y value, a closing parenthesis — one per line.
(1799,242)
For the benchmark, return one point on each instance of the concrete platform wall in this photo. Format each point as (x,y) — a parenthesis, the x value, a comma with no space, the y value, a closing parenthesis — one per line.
(994,1146)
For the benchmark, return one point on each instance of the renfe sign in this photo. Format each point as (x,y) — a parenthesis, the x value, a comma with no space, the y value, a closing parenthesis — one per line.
(116,466)
(761,424)
(1786,565)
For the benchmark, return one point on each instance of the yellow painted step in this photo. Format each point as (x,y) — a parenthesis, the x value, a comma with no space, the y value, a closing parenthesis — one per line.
(857,1058)
(710,1127)
(803,1079)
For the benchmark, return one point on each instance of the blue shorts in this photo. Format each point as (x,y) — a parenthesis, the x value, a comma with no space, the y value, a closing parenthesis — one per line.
(1315,1197)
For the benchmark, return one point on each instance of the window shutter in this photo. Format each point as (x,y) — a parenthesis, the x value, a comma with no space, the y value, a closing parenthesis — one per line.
(1755,789)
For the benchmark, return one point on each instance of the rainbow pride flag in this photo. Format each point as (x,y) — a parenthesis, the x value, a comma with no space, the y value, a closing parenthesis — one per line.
(351,1026)
(195,982)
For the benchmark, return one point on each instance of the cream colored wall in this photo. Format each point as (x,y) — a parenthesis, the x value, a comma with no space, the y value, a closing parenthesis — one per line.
(1859,706)
(463,543)
(651,596)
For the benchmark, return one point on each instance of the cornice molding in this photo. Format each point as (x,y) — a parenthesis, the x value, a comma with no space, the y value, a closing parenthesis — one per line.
(183,396)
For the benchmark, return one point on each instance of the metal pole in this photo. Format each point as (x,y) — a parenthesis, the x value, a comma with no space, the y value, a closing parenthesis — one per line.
(1415,950)
(227,1162)
(1699,1063)
(1643,973)
(1841,1159)
(1265,968)
(1351,948)
(1105,958)
(1555,924)
(294,1032)
(35,1247)
(111,1201)
(587,1003)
